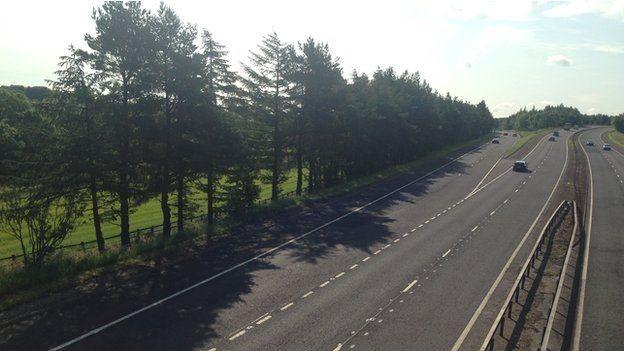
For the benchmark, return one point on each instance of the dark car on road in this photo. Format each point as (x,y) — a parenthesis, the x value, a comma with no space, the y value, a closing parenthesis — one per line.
(495,141)
(505,133)
(552,138)
(515,134)
(556,133)
(606,147)
(520,166)
(589,143)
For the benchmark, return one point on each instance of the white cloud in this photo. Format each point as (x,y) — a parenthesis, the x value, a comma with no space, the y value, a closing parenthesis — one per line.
(491,36)
(610,49)
(484,9)
(559,60)
(504,109)
(609,9)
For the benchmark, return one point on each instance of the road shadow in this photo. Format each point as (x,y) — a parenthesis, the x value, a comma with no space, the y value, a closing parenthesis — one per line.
(188,321)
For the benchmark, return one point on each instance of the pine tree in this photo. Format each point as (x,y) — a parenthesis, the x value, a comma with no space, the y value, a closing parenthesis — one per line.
(268,88)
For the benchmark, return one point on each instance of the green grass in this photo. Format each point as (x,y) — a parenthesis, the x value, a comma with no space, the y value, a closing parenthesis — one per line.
(525,136)
(149,214)
(22,284)
(616,138)
(146,215)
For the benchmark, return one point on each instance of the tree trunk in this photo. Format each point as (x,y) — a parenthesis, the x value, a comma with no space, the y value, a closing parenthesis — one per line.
(95,209)
(210,194)
(124,208)
(166,209)
(276,159)
(181,204)
(299,165)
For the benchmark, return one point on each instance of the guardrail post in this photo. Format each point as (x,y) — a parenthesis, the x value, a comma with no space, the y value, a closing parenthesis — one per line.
(522,281)
(517,293)
(509,309)
(502,326)
(491,345)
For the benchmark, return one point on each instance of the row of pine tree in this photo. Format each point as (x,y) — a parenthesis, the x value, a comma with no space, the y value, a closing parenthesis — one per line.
(151,107)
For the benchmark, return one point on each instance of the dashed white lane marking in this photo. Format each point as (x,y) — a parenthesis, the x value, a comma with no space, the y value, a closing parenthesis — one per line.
(354,266)
(338,347)
(515,191)
(413,230)
(366,259)
(406,234)
(444,211)
(409,286)
(307,294)
(492,213)
(427,221)
(239,334)
(448,208)
(266,318)
(420,226)
(213,349)
(241,264)
(340,274)
(285,307)
(475,228)
(376,252)
(324,284)
(385,247)
(432,218)
(396,240)
(505,201)
(446,253)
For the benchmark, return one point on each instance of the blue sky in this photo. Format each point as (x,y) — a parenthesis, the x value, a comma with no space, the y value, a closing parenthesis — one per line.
(512,54)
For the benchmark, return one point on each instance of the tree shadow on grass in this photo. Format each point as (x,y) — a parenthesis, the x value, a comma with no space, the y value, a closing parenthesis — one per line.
(195,319)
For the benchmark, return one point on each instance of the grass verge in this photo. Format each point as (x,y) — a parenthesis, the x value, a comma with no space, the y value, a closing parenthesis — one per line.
(525,136)
(616,138)
(22,284)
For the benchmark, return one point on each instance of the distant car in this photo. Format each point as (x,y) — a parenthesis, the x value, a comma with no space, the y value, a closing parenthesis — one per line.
(606,147)
(556,133)
(495,141)
(515,134)
(505,133)
(520,166)
(552,138)
(589,142)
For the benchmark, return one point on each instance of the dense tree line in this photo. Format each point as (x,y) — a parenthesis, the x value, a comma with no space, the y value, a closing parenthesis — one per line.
(618,123)
(551,116)
(150,108)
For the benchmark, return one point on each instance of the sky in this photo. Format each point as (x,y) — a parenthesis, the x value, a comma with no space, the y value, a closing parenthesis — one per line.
(512,54)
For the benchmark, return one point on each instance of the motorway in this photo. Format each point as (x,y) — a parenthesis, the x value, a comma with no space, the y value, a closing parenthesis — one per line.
(413,270)
(603,311)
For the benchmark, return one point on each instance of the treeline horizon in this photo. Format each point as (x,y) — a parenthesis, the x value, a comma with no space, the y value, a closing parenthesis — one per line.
(143,111)
(551,116)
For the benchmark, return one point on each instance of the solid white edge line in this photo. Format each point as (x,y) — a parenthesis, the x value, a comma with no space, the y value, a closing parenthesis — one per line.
(446,253)
(474,192)
(202,282)
(490,292)
(486,175)
(576,339)
(475,228)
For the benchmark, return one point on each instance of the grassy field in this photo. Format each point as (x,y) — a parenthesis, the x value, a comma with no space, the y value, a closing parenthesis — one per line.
(146,215)
(149,214)
(616,137)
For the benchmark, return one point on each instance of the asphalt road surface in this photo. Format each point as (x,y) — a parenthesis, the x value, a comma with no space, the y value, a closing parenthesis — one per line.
(603,312)
(408,272)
